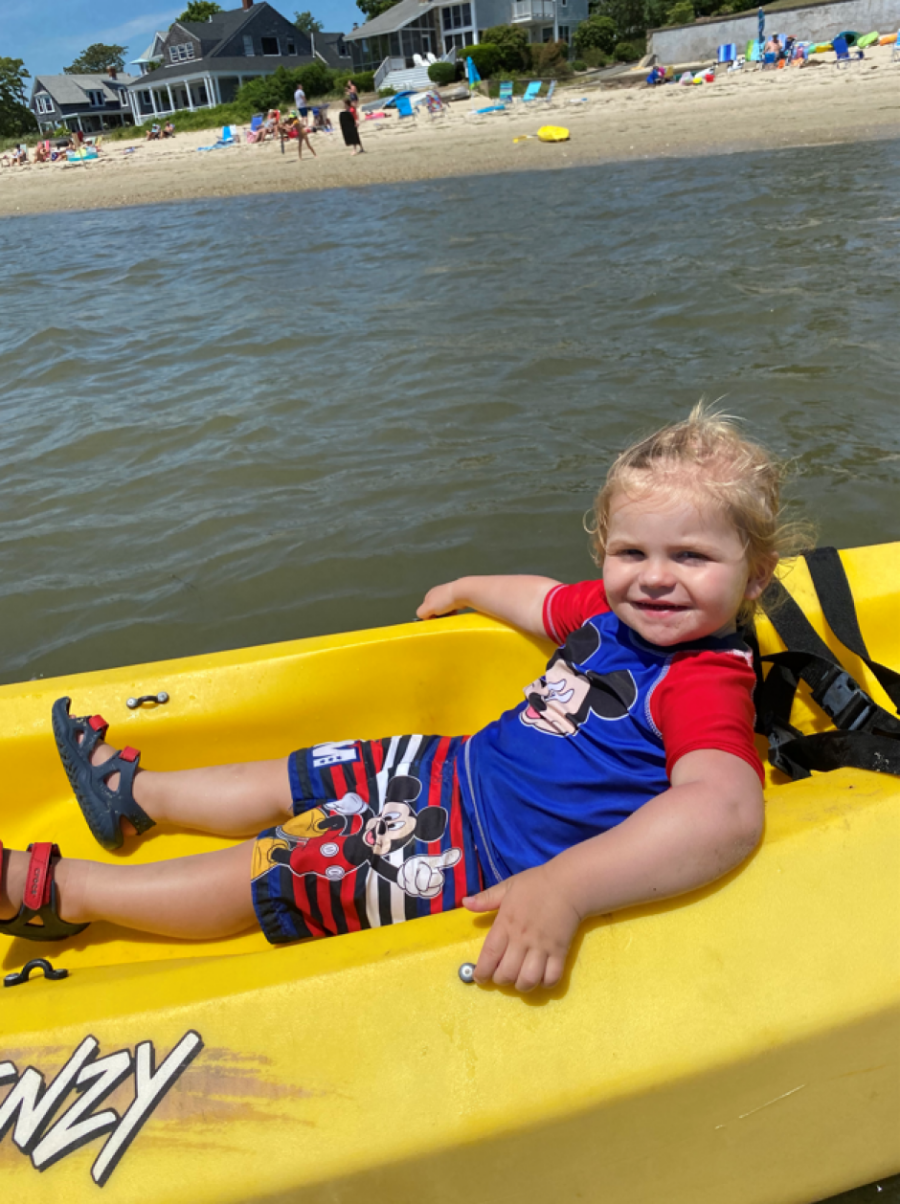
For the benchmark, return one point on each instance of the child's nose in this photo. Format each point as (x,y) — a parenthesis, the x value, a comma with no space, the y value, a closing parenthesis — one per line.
(657,572)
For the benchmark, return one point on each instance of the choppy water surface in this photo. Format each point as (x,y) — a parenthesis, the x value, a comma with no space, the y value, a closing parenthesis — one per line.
(236,421)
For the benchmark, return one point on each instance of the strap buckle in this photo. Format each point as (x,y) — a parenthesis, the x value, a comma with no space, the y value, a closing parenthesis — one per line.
(844,701)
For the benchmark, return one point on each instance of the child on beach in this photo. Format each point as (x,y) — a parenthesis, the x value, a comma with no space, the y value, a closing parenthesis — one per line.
(628,774)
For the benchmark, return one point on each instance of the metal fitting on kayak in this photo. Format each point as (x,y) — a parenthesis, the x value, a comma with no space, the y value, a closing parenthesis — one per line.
(467,972)
(134,703)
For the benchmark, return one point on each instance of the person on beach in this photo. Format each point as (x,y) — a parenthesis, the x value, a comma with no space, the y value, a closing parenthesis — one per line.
(168,130)
(349,120)
(300,104)
(628,775)
(351,93)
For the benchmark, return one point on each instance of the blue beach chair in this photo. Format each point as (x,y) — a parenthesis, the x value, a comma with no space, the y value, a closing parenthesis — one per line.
(506,92)
(404,106)
(842,50)
(532,92)
(549,97)
(727,53)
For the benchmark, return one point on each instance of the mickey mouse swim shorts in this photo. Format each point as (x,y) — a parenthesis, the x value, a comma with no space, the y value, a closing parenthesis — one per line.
(379,835)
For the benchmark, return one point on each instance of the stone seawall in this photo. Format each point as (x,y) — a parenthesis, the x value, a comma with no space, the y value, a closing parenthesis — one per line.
(815,23)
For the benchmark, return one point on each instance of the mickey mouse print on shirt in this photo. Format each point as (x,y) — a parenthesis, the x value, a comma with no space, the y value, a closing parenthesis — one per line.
(563,697)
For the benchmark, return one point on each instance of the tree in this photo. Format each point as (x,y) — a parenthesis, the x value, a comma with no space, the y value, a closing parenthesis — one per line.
(200,11)
(628,16)
(373,8)
(598,32)
(307,23)
(513,44)
(97,59)
(15,116)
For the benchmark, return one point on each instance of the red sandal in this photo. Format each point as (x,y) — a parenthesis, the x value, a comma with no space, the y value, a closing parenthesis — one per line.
(38,918)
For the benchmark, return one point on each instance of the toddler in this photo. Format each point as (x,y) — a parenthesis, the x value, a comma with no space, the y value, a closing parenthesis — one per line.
(628,774)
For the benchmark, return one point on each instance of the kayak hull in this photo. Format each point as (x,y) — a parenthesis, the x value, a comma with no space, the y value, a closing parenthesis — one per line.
(738,1044)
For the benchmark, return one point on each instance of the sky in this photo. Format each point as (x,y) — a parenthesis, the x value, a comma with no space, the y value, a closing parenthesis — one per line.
(50,34)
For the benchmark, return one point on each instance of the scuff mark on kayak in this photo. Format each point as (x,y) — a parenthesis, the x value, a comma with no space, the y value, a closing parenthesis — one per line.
(767,1104)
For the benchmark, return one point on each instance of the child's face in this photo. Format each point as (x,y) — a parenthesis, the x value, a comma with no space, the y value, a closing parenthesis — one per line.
(675,568)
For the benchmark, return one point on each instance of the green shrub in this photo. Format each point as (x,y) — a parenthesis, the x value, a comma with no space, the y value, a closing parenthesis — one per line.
(383,92)
(317,79)
(628,52)
(485,57)
(364,80)
(681,13)
(442,74)
(513,44)
(549,60)
(579,65)
(598,32)
(267,92)
(596,58)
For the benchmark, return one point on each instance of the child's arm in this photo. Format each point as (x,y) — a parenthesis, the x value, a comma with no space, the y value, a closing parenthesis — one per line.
(515,600)
(708,822)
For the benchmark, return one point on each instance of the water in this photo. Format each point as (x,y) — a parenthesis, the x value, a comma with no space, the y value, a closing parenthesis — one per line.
(235,421)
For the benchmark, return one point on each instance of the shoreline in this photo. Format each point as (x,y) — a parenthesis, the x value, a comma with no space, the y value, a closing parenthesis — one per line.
(749,111)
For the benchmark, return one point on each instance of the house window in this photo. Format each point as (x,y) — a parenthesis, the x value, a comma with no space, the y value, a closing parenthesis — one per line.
(291,48)
(182,52)
(126,99)
(248,45)
(43,103)
(270,46)
(97,99)
(564,33)
(457,16)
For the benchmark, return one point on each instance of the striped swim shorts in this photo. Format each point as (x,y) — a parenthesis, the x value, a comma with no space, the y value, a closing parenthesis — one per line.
(378,835)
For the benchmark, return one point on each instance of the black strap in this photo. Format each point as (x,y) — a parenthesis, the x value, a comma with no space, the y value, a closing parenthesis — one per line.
(868,736)
(833,588)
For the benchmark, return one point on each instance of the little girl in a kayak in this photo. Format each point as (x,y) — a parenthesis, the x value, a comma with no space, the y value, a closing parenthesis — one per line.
(628,774)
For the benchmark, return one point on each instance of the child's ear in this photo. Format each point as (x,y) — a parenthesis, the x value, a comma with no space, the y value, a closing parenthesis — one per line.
(760,576)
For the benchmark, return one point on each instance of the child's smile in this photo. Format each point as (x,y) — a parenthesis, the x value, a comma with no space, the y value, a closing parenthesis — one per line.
(675,569)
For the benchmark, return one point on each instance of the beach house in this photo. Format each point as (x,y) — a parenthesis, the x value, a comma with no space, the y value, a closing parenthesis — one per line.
(204,63)
(90,103)
(414,29)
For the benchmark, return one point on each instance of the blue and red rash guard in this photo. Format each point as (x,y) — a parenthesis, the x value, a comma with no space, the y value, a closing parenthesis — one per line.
(599,732)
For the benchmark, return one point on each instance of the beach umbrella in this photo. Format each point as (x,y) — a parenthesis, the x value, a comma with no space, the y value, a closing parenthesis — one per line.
(762,31)
(474,77)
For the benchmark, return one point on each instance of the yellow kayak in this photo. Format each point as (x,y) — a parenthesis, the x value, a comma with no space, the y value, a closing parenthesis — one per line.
(739,1044)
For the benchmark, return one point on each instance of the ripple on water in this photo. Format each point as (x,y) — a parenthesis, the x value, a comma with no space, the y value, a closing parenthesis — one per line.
(233,438)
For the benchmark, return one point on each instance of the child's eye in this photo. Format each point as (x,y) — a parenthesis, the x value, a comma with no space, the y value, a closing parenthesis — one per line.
(630,553)
(688,554)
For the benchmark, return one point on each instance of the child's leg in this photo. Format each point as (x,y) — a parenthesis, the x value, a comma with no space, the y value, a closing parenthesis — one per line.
(198,897)
(230,800)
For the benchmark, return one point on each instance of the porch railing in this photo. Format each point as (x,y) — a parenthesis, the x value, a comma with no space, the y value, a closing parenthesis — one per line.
(389,65)
(533,10)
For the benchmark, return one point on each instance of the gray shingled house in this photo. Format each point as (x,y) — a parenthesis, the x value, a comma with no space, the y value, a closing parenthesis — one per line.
(415,29)
(90,103)
(204,63)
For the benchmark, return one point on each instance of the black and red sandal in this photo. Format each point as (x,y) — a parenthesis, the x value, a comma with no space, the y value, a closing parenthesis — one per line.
(103,808)
(38,918)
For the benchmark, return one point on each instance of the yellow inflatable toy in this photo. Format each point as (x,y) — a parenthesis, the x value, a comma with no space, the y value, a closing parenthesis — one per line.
(736,1044)
(553,133)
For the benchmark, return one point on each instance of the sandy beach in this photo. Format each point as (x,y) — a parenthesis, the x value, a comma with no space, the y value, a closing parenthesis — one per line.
(741,111)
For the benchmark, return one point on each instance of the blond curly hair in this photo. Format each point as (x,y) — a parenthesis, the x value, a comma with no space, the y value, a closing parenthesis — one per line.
(707,459)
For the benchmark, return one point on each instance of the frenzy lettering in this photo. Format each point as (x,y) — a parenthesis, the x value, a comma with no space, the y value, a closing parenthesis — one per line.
(31,1103)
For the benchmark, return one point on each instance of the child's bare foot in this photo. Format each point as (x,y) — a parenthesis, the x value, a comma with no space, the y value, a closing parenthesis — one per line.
(12,883)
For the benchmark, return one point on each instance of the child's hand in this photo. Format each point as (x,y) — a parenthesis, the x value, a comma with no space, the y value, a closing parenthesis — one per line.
(531,934)
(440,600)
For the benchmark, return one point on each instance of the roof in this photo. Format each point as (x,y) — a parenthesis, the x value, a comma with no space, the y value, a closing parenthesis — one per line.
(387,22)
(232,65)
(154,50)
(326,45)
(73,89)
